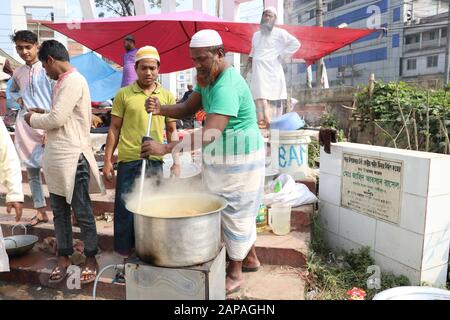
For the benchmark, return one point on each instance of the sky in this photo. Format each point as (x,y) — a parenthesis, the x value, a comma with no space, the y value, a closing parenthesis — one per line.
(250,11)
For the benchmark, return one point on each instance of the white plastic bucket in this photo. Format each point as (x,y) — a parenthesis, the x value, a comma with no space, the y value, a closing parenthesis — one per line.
(289,153)
(280,219)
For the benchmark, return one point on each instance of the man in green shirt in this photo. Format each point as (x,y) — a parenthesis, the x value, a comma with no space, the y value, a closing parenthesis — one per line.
(233,149)
(128,125)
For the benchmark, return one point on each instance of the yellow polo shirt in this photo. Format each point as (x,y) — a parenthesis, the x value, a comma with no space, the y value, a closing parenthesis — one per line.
(129,104)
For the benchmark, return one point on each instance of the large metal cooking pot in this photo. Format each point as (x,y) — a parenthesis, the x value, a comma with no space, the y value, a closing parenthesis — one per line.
(20,244)
(167,237)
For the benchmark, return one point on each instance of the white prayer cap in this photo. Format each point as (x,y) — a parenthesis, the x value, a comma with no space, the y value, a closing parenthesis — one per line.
(271,9)
(206,38)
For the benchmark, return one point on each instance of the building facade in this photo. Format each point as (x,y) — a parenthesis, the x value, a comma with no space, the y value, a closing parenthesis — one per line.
(379,53)
(21,14)
(423,60)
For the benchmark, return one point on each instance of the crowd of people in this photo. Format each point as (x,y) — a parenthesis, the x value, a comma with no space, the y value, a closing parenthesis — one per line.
(53,134)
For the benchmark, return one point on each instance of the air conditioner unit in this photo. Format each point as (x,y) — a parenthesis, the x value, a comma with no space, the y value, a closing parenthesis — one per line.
(339,74)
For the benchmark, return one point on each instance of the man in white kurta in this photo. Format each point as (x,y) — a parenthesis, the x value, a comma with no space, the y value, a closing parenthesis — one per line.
(270,46)
(11,179)
(69,165)
(31,88)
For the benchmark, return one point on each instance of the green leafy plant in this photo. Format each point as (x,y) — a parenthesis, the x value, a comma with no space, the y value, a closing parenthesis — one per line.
(410,117)
(328,120)
(330,275)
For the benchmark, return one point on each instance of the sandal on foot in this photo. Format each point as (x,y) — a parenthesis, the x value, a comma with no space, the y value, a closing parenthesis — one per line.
(90,273)
(233,290)
(38,221)
(250,269)
(58,275)
(235,287)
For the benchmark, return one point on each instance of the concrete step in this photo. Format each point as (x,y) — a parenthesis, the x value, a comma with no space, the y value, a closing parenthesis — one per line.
(281,258)
(291,249)
(17,291)
(271,283)
(100,203)
(104,229)
(301,217)
(311,183)
(268,283)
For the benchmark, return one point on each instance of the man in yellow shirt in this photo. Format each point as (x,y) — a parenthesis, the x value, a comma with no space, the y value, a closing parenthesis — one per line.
(128,125)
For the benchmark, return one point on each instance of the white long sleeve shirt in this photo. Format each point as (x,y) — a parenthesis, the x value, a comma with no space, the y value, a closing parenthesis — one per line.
(268,81)
(11,179)
(10,170)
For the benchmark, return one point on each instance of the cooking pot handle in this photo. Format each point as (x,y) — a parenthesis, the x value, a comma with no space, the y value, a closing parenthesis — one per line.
(22,225)
(15,242)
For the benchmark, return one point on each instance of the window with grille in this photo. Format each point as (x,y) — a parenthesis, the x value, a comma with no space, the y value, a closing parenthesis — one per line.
(412,38)
(411,64)
(432,61)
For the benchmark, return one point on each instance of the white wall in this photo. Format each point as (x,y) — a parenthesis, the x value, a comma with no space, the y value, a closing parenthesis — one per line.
(19,22)
(421,64)
(417,246)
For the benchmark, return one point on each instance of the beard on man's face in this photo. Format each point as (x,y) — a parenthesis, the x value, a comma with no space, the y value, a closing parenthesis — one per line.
(207,76)
(267,26)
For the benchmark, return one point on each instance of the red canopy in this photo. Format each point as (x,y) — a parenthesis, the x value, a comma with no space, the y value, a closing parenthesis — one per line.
(171,34)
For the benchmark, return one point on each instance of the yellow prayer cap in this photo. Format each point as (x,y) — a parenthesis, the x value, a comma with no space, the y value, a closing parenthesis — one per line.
(147,52)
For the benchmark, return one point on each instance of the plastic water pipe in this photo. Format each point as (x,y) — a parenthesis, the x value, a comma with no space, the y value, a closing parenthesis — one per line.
(115,266)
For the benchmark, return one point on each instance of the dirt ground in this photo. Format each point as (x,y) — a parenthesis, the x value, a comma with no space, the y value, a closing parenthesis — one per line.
(13,291)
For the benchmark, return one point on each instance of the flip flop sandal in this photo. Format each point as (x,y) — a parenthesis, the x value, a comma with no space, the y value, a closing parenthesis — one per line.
(39,221)
(57,271)
(91,273)
(250,269)
(236,289)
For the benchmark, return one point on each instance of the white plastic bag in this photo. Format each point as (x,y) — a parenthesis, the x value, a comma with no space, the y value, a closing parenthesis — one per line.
(291,193)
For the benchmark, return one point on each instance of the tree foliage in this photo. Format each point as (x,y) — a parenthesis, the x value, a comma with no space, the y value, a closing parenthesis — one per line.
(411,117)
(123,7)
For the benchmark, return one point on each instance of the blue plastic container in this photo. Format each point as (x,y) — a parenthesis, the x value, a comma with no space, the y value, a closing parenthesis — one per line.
(287,122)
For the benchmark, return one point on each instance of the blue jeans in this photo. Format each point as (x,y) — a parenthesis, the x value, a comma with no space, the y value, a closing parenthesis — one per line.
(127,173)
(37,192)
(82,207)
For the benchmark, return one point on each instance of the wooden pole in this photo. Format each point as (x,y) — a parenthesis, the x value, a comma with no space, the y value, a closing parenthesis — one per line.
(372,117)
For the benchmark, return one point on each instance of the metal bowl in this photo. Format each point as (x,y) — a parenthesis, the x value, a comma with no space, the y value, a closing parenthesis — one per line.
(20,244)
(17,245)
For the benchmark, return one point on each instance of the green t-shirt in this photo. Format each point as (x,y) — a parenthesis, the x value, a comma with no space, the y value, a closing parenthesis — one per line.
(231,96)
(129,105)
